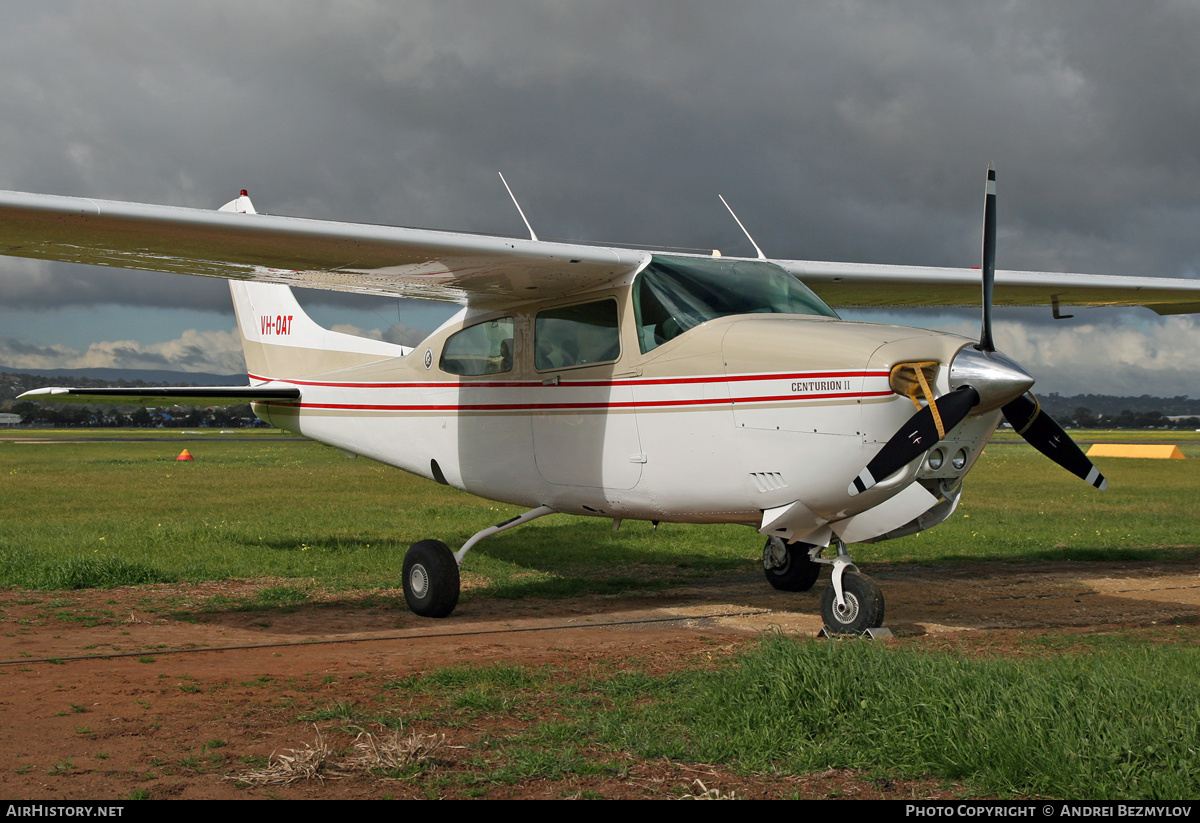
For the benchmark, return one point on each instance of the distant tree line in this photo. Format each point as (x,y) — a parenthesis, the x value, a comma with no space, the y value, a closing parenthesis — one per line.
(69,415)
(1104,411)
(1083,418)
(1108,405)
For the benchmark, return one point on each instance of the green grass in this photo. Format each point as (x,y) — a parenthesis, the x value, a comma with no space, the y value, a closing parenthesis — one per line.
(84,515)
(1094,722)
(1018,505)
(124,513)
(1109,724)
(1086,718)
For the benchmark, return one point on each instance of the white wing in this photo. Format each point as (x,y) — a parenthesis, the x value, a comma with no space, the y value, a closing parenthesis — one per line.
(861,285)
(296,252)
(455,266)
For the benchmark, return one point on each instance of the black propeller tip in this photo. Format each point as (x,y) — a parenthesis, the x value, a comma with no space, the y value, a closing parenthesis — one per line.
(1026,417)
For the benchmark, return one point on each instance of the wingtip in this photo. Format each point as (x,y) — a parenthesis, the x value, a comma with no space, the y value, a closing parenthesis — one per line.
(45,392)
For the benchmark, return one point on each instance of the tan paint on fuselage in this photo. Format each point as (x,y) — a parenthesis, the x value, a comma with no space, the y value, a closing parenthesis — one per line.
(269,359)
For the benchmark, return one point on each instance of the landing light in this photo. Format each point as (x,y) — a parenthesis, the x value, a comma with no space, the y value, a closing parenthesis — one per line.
(959,460)
(936,459)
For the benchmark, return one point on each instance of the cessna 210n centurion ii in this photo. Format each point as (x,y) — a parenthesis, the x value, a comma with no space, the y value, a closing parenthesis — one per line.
(612,383)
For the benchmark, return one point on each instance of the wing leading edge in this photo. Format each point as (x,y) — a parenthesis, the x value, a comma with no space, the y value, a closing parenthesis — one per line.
(420,263)
(353,257)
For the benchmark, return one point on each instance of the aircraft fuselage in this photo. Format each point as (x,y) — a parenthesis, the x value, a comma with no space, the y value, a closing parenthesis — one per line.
(724,421)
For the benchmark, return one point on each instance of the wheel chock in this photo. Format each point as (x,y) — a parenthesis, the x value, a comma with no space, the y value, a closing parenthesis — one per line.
(880,633)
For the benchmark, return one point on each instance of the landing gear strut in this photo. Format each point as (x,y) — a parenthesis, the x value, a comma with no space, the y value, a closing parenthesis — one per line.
(431,581)
(789,567)
(861,609)
(852,603)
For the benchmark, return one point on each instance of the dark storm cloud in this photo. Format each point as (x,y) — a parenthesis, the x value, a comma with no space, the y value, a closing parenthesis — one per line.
(838,130)
(843,126)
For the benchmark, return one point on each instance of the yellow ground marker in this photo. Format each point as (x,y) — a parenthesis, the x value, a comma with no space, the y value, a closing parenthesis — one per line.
(1163,451)
(185,455)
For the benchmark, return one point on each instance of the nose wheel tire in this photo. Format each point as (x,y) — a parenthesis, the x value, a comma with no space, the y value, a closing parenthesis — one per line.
(863,609)
(788,567)
(430,579)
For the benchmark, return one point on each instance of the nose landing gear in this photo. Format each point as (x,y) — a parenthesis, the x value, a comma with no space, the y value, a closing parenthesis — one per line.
(860,610)
(852,603)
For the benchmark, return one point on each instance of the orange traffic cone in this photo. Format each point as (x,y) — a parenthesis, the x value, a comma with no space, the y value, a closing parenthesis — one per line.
(185,455)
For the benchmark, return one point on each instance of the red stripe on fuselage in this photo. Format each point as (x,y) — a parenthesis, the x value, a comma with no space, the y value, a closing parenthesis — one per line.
(597,405)
(631,381)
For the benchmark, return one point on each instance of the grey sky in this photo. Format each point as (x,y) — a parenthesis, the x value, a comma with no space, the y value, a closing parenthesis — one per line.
(838,130)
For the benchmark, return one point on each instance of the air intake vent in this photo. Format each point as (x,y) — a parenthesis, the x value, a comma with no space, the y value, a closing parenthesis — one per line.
(768,481)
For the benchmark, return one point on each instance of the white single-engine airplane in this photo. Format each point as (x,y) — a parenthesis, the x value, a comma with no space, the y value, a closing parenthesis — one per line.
(609,382)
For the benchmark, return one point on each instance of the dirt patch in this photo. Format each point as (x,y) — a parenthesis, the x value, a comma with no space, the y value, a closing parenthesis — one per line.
(149,691)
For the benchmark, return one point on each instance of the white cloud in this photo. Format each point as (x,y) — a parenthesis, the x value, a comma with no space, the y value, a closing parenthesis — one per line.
(217,352)
(350,328)
(398,333)
(1155,357)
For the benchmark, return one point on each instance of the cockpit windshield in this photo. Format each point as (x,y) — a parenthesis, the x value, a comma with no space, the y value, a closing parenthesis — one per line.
(674,294)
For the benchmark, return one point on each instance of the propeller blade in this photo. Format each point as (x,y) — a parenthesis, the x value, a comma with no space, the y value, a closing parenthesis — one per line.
(915,437)
(989,260)
(1040,431)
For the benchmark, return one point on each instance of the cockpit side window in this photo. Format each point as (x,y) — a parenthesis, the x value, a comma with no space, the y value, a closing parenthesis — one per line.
(485,348)
(579,335)
(674,294)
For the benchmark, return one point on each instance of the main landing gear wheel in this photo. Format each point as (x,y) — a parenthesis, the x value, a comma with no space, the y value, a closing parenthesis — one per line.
(430,579)
(788,566)
(863,609)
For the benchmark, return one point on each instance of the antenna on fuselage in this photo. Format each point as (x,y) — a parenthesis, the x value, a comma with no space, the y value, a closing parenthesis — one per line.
(532,236)
(761,256)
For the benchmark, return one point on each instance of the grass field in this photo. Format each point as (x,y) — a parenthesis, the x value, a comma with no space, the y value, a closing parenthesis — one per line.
(111,513)
(1110,717)
(114,512)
